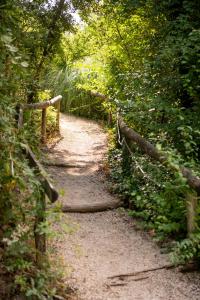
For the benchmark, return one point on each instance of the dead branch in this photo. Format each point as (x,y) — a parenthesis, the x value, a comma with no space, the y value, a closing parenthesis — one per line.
(61,165)
(140,278)
(117,284)
(125,283)
(169,266)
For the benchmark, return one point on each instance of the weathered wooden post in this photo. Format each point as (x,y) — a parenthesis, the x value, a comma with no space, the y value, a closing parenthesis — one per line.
(58,116)
(43,126)
(43,106)
(191,204)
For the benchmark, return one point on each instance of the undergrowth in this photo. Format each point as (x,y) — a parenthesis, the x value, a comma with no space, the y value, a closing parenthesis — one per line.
(21,274)
(156,197)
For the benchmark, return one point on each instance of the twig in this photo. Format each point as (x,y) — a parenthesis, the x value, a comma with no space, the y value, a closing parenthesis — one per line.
(125,283)
(117,284)
(142,271)
(61,165)
(140,278)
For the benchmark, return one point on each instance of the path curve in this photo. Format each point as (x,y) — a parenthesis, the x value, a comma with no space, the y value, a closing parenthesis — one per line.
(83,145)
(96,246)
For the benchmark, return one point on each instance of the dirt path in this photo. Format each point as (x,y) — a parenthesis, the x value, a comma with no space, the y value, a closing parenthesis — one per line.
(96,246)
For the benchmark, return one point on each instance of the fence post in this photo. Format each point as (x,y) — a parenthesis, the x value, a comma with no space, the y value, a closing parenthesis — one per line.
(40,238)
(110,117)
(58,116)
(191,202)
(43,126)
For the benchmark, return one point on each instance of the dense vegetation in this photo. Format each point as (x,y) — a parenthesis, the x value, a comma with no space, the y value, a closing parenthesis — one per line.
(30,32)
(144,56)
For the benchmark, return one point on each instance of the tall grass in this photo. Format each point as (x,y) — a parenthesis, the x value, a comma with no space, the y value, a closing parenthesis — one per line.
(67,82)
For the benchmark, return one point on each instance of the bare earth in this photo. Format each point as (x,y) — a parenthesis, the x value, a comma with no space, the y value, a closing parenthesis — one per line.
(94,246)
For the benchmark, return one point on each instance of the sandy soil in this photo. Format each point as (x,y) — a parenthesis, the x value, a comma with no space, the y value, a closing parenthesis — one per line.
(96,246)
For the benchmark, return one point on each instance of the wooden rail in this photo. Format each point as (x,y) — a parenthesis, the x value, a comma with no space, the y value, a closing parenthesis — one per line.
(50,191)
(46,186)
(43,106)
(149,149)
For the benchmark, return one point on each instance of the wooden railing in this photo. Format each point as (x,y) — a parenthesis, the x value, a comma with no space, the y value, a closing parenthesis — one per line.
(46,187)
(130,136)
(42,106)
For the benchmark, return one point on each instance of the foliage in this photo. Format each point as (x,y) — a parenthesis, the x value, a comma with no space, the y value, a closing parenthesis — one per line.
(154,194)
(187,249)
(144,55)
(62,79)
(29,34)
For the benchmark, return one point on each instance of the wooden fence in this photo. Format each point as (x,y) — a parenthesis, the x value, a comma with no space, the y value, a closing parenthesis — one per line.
(41,106)
(132,136)
(46,187)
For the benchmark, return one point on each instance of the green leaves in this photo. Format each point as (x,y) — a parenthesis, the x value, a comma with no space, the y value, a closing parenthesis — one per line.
(25,64)
(28,32)
(7,38)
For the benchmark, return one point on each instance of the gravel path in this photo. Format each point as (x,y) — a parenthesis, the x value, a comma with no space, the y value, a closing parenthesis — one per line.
(96,246)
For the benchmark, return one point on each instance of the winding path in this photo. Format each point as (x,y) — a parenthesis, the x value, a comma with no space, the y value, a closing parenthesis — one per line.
(94,246)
